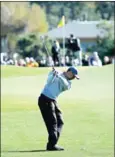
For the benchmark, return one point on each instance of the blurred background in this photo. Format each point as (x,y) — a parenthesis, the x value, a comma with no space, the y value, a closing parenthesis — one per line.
(43,34)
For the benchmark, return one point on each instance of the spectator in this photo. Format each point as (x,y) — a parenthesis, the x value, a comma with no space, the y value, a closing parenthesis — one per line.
(32,60)
(22,62)
(29,62)
(70,46)
(36,64)
(85,61)
(94,60)
(75,62)
(74,49)
(42,62)
(49,61)
(113,60)
(107,60)
(33,63)
(3,58)
(70,43)
(15,62)
(27,59)
(55,52)
(62,61)
(10,62)
(67,61)
(15,56)
(78,51)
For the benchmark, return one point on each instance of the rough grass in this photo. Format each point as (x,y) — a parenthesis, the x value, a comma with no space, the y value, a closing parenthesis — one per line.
(87,110)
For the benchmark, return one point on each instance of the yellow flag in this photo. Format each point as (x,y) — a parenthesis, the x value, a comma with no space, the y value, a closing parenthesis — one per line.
(62,22)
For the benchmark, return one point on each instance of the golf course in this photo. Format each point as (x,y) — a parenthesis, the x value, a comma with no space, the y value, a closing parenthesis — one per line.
(88,113)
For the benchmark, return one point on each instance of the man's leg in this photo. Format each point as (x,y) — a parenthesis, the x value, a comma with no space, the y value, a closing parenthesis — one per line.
(56,129)
(60,122)
(57,59)
(51,123)
(48,113)
(80,57)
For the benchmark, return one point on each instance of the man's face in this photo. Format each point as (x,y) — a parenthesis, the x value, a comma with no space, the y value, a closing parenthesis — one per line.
(70,75)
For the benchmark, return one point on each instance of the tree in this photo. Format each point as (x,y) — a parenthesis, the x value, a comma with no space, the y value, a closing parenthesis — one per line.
(31,45)
(105,9)
(21,15)
(37,19)
(105,43)
(76,11)
(17,13)
(16,17)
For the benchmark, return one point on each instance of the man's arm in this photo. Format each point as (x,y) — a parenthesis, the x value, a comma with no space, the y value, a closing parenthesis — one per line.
(64,83)
(52,75)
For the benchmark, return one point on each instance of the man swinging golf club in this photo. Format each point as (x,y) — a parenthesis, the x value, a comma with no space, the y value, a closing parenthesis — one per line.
(56,83)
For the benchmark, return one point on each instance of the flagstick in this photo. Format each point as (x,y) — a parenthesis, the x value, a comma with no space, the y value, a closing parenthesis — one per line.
(62,24)
(63,32)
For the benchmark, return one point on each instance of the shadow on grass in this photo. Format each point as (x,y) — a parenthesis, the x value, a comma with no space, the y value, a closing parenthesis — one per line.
(23,151)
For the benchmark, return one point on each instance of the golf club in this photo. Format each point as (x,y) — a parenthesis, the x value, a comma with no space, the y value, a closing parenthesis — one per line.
(47,52)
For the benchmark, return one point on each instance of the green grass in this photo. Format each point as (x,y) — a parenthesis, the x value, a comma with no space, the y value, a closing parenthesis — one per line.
(88,111)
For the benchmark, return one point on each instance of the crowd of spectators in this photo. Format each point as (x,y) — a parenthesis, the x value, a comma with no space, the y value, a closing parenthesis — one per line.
(92,60)
(73,57)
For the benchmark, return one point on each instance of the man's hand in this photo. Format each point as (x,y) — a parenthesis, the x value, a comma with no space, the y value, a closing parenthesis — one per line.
(54,71)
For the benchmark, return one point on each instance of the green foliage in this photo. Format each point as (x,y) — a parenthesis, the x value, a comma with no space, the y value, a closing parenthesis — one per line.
(106,47)
(21,16)
(105,9)
(107,27)
(26,46)
(36,14)
(37,19)
(16,17)
(105,43)
(74,10)
(31,45)
(17,13)
(12,39)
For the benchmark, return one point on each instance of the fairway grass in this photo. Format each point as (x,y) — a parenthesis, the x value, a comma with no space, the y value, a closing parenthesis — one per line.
(88,111)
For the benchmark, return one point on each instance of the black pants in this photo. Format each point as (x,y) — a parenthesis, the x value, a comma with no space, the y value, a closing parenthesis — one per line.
(52,118)
(55,58)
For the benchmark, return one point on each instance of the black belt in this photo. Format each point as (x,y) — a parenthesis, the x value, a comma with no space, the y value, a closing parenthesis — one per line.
(46,98)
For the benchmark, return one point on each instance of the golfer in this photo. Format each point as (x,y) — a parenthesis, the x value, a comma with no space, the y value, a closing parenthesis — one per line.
(57,82)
